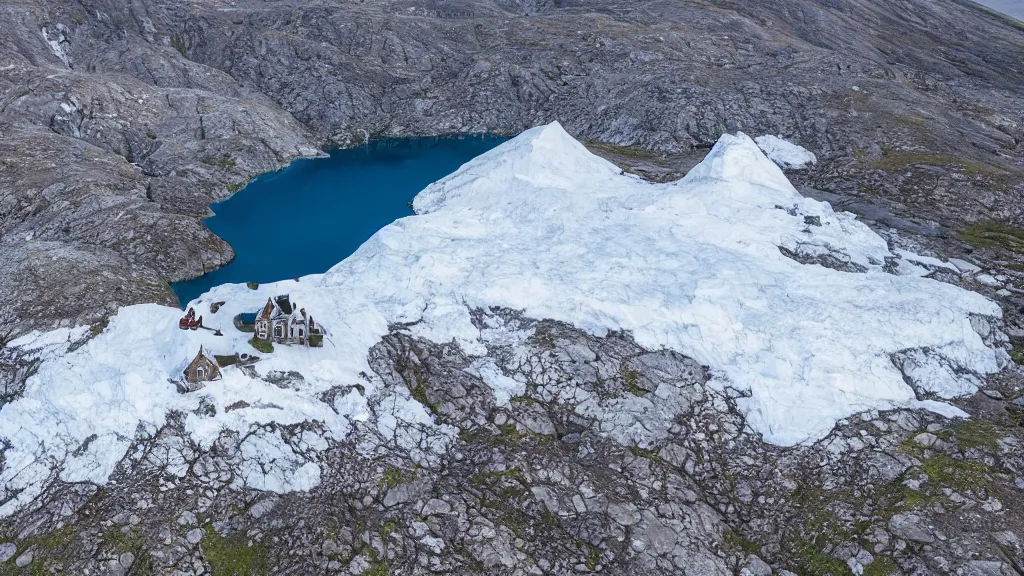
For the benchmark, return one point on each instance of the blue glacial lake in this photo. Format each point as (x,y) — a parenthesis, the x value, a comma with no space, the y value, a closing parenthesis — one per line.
(316,212)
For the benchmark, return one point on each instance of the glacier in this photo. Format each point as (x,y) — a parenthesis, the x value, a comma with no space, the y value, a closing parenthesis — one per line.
(724,266)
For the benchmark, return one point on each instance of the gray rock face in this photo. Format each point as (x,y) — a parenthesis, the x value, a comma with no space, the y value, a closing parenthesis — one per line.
(7,551)
(25,559)
(911,527)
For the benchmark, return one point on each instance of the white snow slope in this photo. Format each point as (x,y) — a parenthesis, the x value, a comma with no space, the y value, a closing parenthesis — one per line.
(785,153)
(537,224)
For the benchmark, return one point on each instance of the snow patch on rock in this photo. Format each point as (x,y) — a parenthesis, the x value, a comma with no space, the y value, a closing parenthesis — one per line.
(58,41)
(785,153)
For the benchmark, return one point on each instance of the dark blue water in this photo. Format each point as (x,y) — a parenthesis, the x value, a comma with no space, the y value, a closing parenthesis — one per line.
(316,212)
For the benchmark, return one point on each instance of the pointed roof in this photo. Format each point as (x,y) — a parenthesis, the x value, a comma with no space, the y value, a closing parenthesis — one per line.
(205,354)
(268,309)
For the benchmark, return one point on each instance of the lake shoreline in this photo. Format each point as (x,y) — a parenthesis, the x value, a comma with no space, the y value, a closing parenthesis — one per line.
(377,181)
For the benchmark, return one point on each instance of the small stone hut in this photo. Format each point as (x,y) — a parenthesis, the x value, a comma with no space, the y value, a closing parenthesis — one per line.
(202,368)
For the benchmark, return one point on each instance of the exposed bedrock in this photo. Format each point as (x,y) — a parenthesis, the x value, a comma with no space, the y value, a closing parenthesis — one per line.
(537,483)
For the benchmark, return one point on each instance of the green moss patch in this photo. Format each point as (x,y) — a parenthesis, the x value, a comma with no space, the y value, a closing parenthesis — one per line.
(882,566)
(234,555)
(817,530)
(261,345)
(994,235)
(972,434)
(946,472)
(226,161)
(394,476)
(630,379)
(896,160)
(627,151)
(100,326)
(1017,355)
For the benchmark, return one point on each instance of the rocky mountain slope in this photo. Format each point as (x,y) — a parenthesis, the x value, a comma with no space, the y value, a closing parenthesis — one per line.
(122,121)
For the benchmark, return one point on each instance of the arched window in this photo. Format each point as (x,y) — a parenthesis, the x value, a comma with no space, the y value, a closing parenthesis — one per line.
(200,373)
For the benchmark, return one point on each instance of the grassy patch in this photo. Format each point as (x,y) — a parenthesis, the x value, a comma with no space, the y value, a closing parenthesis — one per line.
(233,555)
(252,285)
(896,497)
(946,472)
(506,487)
(377,568)
(645,453)
(225,361)
(994,235)
(551,521)
(100,326)
(143,283)
(121,542)
(226,162)
(150,134)
(178,43)
(1017,355)
(593,557)
(419,391)
(817,530)
(812,562)
(394,476)
(896,160)
(736,543)
(911,121)
(235,186)
(55,544)
(882,566)
(627,151)
(261,345)
(316,340)
(510,434)
(389,528)
(630,378)
(972,434)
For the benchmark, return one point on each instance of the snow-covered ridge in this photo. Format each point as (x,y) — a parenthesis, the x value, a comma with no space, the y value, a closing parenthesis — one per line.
(541,225)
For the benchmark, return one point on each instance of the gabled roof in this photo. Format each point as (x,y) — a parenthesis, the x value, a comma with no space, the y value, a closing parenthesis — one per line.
(267,311)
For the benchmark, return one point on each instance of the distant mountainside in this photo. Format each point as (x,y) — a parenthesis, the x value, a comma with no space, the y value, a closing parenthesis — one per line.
(123,121)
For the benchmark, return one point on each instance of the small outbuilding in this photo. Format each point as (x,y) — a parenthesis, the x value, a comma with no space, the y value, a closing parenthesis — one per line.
(202,368)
